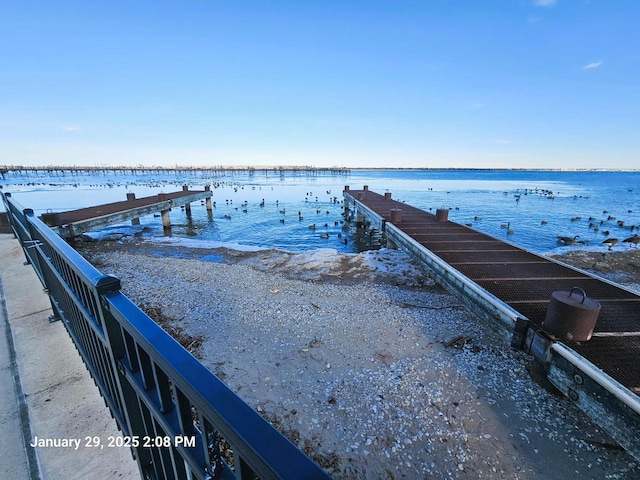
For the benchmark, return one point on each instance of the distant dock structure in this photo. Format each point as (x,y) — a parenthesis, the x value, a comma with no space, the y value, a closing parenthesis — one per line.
(12,171)
(73,223)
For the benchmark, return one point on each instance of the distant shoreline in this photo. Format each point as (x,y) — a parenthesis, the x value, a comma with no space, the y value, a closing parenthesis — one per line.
(4,169)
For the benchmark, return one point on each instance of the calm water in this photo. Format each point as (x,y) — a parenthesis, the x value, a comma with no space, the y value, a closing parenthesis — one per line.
(538,205)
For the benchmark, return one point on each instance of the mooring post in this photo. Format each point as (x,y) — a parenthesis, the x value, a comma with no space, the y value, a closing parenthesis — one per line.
(395,215)
(130,197)
(442,214)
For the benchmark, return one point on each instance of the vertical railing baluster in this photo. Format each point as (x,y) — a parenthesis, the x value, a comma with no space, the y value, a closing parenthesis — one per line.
(164,389)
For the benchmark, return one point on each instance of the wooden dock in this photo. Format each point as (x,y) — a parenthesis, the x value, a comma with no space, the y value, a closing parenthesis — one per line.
(72,223)
(511,288)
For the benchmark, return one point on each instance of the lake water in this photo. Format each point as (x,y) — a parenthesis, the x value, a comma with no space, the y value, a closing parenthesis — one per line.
(539,206)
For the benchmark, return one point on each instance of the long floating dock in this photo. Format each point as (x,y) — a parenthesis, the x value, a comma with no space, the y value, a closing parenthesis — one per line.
(76,222)
(511,288)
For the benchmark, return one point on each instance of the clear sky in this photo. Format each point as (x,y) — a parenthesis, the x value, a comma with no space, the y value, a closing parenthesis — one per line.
(428,83)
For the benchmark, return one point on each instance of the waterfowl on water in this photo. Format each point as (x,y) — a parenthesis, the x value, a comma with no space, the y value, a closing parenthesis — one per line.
(569,240)
(610,242)
(505,225)
(324,235)
(633,240)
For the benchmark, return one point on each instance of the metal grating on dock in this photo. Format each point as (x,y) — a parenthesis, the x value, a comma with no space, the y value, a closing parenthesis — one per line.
(525,281)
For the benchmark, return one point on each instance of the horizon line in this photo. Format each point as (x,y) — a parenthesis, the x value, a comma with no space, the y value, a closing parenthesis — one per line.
(7,168)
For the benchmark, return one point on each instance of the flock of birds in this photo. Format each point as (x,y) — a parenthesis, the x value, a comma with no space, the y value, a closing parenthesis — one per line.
(300,216)
(602,225)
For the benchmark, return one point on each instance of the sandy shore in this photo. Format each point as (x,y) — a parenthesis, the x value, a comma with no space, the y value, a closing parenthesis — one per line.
(354,358)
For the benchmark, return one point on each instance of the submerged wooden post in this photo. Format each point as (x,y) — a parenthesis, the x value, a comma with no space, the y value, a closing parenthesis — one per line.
(187,206)
(130,197)
(207,188)
(166,220)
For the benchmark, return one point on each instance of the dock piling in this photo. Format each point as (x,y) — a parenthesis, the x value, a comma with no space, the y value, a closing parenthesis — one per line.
(131,197)
(207,202)
(187,206)
(166,221)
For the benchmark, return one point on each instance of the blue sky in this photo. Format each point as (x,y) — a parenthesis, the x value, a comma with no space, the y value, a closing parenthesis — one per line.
(431,83)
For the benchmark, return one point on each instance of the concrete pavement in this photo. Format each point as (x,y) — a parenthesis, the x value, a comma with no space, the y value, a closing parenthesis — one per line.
(45,389)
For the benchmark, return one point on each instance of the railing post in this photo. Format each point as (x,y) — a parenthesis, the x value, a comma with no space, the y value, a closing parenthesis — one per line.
(131,416)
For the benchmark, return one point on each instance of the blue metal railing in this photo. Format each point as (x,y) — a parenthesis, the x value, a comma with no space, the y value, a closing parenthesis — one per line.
(173,412)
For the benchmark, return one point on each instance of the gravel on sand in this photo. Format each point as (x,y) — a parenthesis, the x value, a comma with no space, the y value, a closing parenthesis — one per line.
(365,363)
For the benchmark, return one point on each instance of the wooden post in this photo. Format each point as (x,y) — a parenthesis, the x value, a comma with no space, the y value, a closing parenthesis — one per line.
(166,221)
(130,198)
(187,206)
(207,202)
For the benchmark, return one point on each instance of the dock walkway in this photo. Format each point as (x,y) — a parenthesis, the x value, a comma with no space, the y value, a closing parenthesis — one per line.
(524,282)
(75,222)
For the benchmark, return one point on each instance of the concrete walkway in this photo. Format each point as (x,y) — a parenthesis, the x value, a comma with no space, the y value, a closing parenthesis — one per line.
(45,389)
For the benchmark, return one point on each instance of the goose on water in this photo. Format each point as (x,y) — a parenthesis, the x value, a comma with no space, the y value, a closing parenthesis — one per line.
(569,240)
(633,240)
(610,242)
